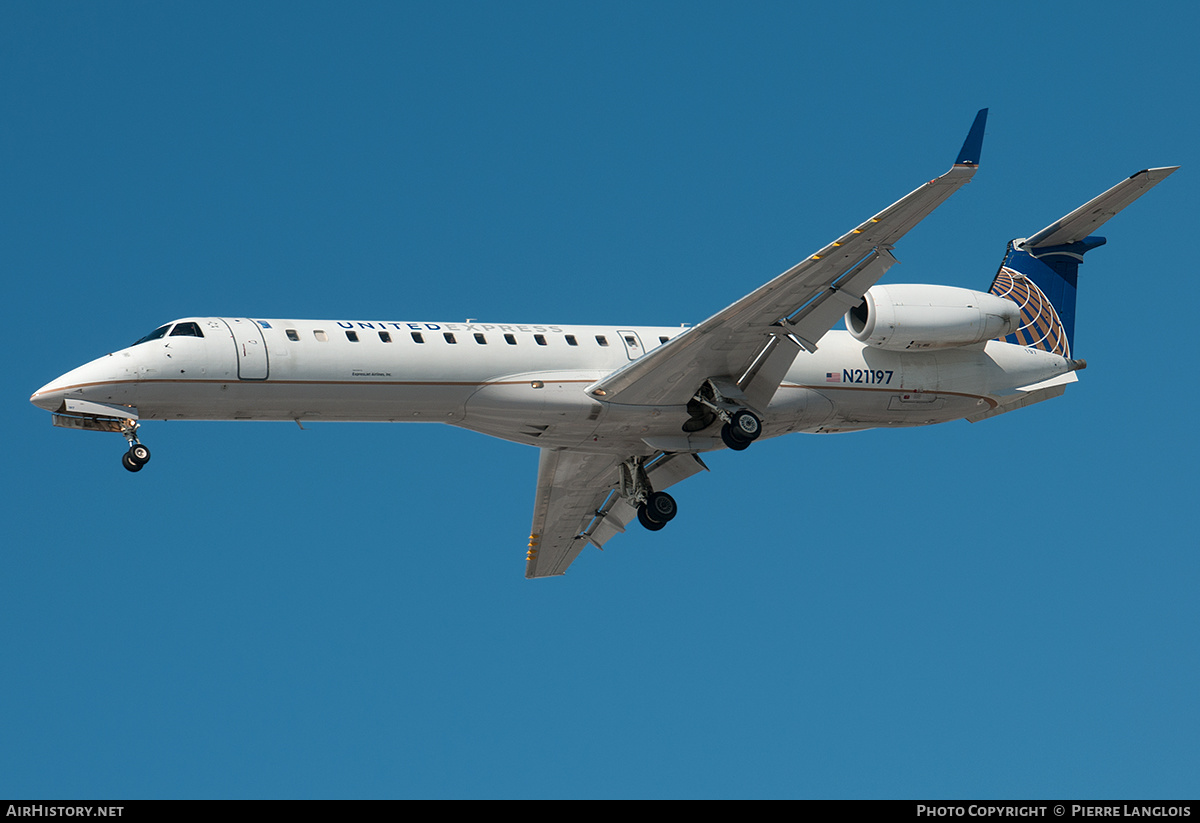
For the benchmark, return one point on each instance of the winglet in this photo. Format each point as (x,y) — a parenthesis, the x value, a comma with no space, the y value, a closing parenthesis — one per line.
(973,146)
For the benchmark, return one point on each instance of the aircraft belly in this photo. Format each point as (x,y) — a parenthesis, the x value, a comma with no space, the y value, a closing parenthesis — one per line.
(796,408)
(856,409)
(341,400)
(547,409)
(645,429)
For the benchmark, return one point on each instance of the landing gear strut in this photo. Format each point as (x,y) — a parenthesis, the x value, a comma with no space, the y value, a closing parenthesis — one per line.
(654,509)
(138,455)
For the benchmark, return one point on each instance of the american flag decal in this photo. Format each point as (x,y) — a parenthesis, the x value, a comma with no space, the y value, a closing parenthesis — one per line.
(832,377)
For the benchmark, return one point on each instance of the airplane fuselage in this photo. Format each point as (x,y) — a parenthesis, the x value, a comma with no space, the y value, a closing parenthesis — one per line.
(522,382)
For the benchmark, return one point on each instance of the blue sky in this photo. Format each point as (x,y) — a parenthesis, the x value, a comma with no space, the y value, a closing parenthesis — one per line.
(1005,609)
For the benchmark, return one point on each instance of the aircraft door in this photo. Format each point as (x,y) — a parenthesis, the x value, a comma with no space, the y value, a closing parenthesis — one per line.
(632,343)
(251,348)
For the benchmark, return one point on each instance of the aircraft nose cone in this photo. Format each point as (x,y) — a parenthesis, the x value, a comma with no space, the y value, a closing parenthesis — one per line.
(97,380)
(49,396)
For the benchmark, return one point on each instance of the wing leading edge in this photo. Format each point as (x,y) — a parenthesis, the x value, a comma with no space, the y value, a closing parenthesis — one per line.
(754,341)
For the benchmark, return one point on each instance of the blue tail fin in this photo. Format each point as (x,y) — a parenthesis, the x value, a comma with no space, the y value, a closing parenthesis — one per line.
(1043,283)
(1041,273)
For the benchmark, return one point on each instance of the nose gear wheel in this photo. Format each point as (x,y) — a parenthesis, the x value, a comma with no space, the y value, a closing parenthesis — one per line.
(138,454)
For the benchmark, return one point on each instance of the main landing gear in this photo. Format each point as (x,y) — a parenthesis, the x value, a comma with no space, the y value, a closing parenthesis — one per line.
(722,399)
(742,429)
(654,509)
(658,510)
(138,455)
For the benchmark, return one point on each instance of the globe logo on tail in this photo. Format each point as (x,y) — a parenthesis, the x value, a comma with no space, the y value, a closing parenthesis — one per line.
(1041,327)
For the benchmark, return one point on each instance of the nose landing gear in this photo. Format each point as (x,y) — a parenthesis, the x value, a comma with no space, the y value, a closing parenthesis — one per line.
(138,455)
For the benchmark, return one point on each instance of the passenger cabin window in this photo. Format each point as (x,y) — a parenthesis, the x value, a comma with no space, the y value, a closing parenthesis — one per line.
(449,337)
(480,339)
(293,335)
(385,336)
(187,330)
(540,339)
(160,332)
(631,341)
(571,341)
(418,337)
(321,336)
(352,336)
(602,340)
(510,339)
(663,339)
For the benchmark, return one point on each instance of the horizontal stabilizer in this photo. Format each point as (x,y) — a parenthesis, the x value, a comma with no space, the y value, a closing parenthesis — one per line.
(1096,212)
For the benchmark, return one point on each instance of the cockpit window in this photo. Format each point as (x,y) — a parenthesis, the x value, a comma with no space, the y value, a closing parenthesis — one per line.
(187,330)
(161,331)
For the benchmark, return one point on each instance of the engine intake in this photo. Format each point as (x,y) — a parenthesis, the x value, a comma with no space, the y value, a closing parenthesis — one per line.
(905,317)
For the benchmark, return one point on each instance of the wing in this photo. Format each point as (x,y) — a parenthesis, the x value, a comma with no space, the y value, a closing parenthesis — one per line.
(1097,211)
(751,343)
(754,341)
(577,503)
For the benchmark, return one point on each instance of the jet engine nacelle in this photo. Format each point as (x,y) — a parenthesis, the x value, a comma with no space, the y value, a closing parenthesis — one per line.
(910,316)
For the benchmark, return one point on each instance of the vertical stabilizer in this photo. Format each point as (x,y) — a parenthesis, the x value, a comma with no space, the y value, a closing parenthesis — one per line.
(1043,285)
(1041,273)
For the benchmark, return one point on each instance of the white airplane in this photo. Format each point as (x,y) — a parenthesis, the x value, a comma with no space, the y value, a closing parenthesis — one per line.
(622,413)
